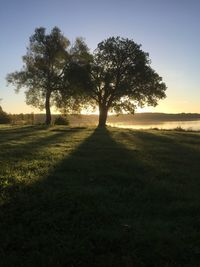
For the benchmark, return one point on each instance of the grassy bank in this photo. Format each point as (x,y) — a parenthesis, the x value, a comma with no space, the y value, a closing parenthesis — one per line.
(85,197)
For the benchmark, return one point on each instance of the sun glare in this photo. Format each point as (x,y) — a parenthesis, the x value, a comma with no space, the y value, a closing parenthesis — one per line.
(145,109)
(96,111)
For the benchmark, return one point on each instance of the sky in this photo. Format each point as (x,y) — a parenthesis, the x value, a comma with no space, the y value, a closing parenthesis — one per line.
(167,29)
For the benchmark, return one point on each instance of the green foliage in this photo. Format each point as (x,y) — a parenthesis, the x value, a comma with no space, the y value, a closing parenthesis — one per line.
(42,72)
(65,203)
(47,67)
(43,65)
(4,117)
(117,77)
(61,120)
(122,78)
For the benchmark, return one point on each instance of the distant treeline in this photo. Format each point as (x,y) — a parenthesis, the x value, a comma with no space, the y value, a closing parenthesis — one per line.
(22,118)
(86,120)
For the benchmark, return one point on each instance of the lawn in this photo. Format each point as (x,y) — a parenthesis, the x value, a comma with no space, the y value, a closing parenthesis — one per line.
(93,197)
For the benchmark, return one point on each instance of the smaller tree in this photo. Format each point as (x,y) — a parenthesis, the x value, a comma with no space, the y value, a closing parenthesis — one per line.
(42,72)
(48,63)
(121,78)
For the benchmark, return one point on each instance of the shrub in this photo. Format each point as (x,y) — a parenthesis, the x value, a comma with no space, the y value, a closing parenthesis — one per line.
(61,120)
(179,129)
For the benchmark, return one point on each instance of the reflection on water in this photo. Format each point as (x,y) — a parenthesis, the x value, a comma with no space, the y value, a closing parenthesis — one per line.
(186,125)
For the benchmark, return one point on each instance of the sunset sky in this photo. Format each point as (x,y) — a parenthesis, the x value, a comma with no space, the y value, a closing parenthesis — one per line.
(168,29)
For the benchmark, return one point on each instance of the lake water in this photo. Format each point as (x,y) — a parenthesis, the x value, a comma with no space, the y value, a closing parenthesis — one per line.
(186,125)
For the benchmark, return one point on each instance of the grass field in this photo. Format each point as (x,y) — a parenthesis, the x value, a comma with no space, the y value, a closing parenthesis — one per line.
(93,197)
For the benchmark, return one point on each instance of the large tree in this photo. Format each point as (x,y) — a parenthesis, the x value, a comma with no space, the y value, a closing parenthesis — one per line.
(46,67)
(122,78)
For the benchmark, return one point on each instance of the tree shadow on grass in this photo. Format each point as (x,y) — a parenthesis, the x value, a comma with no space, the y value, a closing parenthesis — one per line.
(177,152)
(31,157)
(31,132)
(19,132)
(101,206)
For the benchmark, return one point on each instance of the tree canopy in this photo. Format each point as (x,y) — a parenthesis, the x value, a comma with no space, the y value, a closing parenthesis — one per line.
(47,64)
(122,78)
(116,77)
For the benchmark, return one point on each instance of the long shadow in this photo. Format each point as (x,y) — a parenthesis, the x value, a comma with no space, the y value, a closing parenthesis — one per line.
(19,132)
(33,149)
(41,139)
(175,150)
(101,206)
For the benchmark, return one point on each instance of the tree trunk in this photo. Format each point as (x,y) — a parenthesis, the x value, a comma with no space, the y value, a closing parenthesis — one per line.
(47,107)
(103,113)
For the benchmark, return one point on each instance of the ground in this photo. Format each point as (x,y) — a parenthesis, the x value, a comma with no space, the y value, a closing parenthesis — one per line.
(99,197)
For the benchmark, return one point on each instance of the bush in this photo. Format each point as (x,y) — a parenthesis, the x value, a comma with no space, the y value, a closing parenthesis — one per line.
(179,129)
(4,117)
(61,120)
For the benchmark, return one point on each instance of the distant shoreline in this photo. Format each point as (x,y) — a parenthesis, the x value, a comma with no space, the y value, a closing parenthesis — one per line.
(137,118)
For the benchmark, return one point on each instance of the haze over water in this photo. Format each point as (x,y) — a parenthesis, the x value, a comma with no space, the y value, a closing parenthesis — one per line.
(168,125)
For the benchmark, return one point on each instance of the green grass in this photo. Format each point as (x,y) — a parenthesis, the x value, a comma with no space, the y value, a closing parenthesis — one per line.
(85,197)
